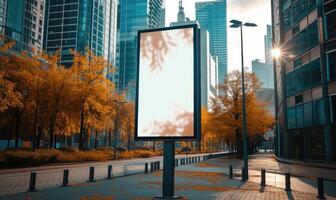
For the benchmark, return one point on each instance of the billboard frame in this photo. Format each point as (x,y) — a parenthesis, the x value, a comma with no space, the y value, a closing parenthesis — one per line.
(197,86)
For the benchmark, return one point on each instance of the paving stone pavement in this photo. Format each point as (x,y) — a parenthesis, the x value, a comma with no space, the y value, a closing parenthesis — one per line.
(204,181)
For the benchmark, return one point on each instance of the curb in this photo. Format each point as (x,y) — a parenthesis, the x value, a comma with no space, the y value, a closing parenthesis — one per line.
(302,163)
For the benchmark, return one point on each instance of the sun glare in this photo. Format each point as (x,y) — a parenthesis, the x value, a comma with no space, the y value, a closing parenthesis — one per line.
(276,53)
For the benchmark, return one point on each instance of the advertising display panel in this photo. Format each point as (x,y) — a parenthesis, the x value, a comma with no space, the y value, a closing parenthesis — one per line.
(168,84)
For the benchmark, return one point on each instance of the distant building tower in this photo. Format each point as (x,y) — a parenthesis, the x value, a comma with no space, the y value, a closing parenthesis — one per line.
(22,21)
(211,16)
(163,17)
(180,14)
(133,15)
(268,44)
(76,24)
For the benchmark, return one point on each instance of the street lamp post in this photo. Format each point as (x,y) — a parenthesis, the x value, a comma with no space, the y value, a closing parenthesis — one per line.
(239,24)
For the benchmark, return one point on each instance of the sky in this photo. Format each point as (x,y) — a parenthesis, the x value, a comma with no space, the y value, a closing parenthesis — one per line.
(256,11)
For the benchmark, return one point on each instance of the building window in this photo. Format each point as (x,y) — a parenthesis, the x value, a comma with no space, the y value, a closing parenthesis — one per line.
(330,23)
(303,78)
(298,99)
(331,65)
(333,108)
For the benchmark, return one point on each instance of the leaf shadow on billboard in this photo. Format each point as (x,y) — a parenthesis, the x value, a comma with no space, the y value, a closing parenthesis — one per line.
(155,46)
(166,84)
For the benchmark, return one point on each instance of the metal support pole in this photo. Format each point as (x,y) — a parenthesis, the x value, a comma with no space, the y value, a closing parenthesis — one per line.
(245,149)
(32,182)
(231,172)
(109,171)
(168,171)
(288,184)
(91,174)
(65,178)
(263,177)
(242,174)
(151,167)
(146,168)
(320,188)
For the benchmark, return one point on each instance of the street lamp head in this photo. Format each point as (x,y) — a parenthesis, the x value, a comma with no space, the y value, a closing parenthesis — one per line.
(234,26)
(234,21)
(250,24)
(276,53)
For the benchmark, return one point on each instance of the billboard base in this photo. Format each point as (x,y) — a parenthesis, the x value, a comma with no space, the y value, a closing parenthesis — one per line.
(168,171)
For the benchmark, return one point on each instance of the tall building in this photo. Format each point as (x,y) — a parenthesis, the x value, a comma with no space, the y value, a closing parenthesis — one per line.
(268,44)
(80,24)
(211,16)
(22,21)
(305,78)
(3,5)
(209,71)
(133,15)
(264,72)
(180,15)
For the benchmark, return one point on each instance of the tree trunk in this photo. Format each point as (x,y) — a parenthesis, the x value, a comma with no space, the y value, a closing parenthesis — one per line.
(129,140)
(17,129)
(55,141)
(10,134)
(51,134)
(154,148)
(96,139)
(39,136)
(81,131)
(109,137)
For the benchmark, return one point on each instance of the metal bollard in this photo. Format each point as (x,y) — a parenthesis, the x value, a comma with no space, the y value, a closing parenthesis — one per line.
(263,177)
(231,172)
(109,171)
(91,174)
(151,167)
(242,174)
(158,165)
(65,178)
(32,183)
(288,185)
(146,168)
(320,188)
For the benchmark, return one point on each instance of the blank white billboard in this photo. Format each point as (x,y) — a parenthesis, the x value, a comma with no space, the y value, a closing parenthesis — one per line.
(166,84)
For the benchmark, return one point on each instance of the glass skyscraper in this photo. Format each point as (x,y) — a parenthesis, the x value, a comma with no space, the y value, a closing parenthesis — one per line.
(305,78)
(22,21)
(132,16)
(211,16)
(78,24)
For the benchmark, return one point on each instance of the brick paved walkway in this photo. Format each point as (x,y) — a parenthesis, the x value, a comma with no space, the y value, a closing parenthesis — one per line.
(204,181)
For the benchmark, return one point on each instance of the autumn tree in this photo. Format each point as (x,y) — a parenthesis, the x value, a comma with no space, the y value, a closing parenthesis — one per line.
(227,110)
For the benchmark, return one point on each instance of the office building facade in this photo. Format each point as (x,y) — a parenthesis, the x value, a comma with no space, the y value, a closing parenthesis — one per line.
(305,78)
(133,15)
(22,21)
(268,44)
(211,16)
(80,24)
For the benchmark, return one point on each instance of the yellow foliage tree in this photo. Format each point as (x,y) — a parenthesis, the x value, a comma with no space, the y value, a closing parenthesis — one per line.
(227,110)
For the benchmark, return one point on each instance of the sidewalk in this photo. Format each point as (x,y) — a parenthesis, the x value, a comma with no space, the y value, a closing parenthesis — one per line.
(204,180)
(324,165)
